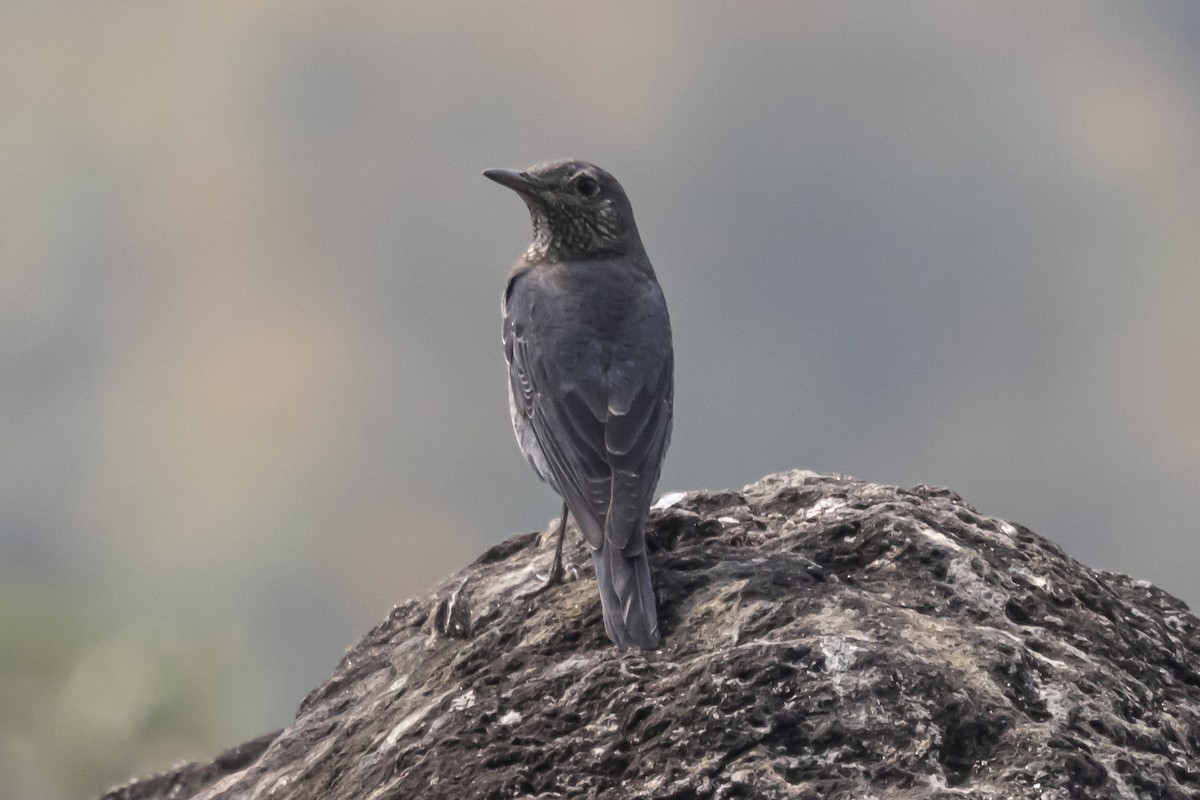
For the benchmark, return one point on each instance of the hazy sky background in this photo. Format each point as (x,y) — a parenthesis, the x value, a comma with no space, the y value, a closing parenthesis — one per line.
(251,384)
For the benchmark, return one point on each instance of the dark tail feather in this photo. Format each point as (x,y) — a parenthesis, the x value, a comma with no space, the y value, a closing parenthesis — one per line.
(627,597)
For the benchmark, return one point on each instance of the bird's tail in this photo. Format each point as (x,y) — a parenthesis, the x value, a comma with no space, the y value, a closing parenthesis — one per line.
(626,597)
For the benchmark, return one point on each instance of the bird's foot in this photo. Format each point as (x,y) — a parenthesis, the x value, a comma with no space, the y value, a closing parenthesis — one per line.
(559,573)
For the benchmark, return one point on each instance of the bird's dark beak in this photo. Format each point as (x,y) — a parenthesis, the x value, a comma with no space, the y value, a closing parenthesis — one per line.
(517,181)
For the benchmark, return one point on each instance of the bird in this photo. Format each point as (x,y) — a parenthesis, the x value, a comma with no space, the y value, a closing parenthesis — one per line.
(587,339)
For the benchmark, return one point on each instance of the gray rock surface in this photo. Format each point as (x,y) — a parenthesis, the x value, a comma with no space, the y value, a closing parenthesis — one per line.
(824,638)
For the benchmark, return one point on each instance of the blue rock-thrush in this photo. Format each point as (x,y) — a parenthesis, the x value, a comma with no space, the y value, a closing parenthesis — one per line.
(591,376)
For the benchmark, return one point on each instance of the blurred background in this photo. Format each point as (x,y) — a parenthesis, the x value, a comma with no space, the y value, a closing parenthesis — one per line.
(251,385)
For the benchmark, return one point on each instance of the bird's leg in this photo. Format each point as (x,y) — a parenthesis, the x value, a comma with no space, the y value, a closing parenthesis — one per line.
(556,569)
(557,573)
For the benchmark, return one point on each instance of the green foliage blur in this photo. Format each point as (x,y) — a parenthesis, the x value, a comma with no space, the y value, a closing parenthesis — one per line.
(83,707)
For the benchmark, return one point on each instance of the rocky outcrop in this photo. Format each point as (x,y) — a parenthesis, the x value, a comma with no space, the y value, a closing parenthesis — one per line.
(824,638)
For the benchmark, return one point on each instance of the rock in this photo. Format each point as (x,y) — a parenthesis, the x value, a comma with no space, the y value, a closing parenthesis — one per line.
(824,638)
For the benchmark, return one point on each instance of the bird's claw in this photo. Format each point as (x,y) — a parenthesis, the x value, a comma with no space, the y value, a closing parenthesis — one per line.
(563,574)
(559,573)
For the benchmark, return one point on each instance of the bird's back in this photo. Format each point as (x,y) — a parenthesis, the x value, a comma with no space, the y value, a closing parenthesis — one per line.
(591,385)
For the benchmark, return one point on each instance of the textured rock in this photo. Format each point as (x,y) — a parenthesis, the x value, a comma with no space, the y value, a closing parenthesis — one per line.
(825,638)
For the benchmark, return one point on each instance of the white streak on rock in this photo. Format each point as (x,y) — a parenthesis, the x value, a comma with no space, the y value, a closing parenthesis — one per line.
(669,499)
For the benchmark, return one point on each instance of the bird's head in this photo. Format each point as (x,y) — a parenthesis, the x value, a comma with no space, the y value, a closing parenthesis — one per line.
(579,211)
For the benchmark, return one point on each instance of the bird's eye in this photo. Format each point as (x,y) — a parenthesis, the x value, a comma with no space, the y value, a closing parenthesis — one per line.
(587,186)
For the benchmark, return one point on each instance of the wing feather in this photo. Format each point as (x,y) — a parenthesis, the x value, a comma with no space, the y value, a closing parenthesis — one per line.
(554,398)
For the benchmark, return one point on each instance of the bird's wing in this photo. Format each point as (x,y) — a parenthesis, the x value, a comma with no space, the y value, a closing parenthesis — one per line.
(636,433)
(556,387)
(638,425)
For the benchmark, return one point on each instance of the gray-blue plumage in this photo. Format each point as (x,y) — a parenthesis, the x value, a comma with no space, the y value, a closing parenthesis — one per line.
(587,338)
